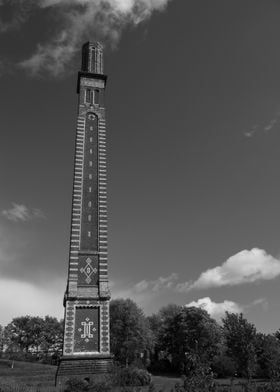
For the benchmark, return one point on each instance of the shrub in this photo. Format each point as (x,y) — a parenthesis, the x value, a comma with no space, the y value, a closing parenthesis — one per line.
(223,366)
(101,384)
(131,376)
(161,366)
(76,385)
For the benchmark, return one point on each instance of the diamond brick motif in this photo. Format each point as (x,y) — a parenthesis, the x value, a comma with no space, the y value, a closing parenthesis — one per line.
(88,270)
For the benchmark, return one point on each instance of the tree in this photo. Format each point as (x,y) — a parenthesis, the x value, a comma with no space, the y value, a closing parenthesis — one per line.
(52,335)
(189,337)
(196,339)
(130,334)
(1,339)
(222,365)
(34,334)
(268,356)
(160,325)
(35,327)
(23,333)
(240,339)
(277,335)
(162,322)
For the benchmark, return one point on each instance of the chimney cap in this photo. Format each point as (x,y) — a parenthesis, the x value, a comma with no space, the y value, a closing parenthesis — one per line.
(93,44)
(92,58)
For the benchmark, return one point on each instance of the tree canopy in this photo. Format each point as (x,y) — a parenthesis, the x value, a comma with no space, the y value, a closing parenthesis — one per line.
(129,329)
(33,334)
(179,339)
(240,338)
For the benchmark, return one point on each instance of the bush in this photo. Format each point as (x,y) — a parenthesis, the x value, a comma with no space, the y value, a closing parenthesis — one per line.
(76,385)
(161,366)
(120,377)
(223,366)
(101,384)
(49,359)
(131,376)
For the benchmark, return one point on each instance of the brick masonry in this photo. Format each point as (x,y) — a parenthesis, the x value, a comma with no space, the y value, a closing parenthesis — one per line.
(86,331)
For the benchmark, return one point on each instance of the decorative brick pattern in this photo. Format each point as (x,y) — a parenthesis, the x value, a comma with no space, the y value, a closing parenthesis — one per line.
(105,322)
(88,271)
(89,228)
(76,204)
(86,331)
(86,339)
(69,329)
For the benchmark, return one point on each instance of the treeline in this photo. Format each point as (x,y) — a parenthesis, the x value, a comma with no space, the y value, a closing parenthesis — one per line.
(32,338)
(179,340)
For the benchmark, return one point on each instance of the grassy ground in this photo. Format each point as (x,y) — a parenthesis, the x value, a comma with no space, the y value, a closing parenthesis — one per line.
(34,377)
(41,377)
(165,383)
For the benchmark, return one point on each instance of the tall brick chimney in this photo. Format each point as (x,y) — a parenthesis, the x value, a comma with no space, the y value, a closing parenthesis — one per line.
(86,348)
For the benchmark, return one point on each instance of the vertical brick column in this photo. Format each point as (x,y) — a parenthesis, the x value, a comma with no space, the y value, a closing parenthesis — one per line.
(86,349)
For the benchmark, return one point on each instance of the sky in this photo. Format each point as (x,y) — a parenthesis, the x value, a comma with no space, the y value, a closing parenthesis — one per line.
(193,120)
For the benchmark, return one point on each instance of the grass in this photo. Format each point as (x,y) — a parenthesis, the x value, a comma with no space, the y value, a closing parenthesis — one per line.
(35,377)
(27,376)
(166,383)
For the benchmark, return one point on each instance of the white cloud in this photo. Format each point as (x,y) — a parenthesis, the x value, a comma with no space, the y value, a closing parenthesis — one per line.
(144,289)
(265,126)
(246,266)
(216,310)
(80,19)
(119,290)
(260,301)
(22,298)
(145,293)
(162,283)
(271,124)
(252,131)
(20,212)
(52,57)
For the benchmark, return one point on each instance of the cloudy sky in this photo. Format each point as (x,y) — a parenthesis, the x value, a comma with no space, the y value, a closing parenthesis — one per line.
(193,110)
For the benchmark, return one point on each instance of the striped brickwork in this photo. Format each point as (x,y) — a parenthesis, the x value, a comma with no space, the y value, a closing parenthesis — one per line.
(103,228)
(76,207)
(78,295)
(86,348)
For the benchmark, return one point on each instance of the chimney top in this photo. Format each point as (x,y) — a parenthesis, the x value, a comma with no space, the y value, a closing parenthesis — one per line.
(92,58)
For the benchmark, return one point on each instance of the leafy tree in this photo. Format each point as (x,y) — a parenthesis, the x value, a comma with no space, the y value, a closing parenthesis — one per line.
(196,339)
(22,334)
(240,339)
(35,327)
(277,335)
(268,356)
(130,332)
(28,333)
(52,335)
(161,325)
(222,365)
(190,337)
(1,339)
